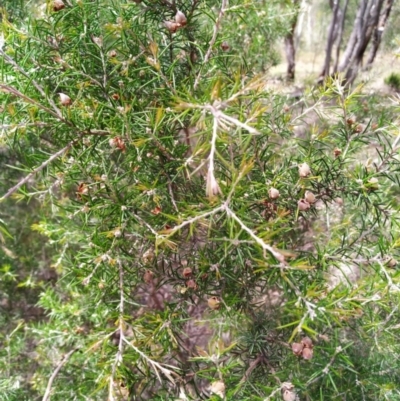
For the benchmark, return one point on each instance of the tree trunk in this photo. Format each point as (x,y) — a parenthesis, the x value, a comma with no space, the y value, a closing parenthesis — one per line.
(340,35)
(290,47)
(366,23)
(377,37)
(335,5)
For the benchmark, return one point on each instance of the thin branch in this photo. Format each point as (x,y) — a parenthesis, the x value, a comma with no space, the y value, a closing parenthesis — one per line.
(275,391)
(119,354)
(37,169)
(46,396)
(325,370)
(173,230)
(257,239)
(212,41)
(35,84)
(155,365)
(16,92)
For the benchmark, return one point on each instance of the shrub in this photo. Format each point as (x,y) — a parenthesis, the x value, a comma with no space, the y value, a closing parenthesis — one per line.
(393,80)
(206,246)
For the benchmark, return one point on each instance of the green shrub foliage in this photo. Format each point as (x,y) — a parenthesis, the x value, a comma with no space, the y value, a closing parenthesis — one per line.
(212,239)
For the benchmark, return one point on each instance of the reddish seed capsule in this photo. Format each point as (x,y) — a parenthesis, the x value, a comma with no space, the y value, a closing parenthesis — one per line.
(225,46)
(65,100)
(309,197)
(303,205)
(307,353)
(148,277)
(273,193)
(191,284)
(297,348)
(180,19)
(304,170)
(214,303)
(58,5)
(187,272)
(337,152)
(307,342)
(171,26)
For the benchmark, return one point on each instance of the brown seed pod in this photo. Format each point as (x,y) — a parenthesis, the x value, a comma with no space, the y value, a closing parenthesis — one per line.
(117,142)
(304,170)
(273,193)
(297,348)
(191,284)
(360,128)
(310,197)
(65,100)
(303,205)
(337,152)
(288,395)
(180,19)
(83,189)
(171,26)
(112,53)
(214,303)
(307,353)
(391,262)
(97,40)
(225,46)
(187,272)
(307,342)
(148,277)
(58,5)
(288,391)
(218,388)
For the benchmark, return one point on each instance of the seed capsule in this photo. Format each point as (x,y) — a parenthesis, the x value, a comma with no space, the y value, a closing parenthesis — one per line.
(65,99)
(171,26)
(58,5)
(297,348)
(310,197)
(180,19)
(225,46)
(191,284)
(303,205)
(391,262)
(187,272)
(304,170)
(97,40)
(307,342)
(273,193)
(307,353)
(288,391)
(148,277)
(337,152)
(214,303)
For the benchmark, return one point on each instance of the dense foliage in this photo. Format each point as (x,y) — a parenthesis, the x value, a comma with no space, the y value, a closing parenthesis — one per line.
(209,238)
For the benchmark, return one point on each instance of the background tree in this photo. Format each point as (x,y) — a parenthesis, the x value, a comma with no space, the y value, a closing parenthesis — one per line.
(202,248)
(352,30)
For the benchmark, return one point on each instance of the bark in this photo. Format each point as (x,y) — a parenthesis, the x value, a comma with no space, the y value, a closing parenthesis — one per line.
(335,5)
(340,35)
(378,32)
(366,23)
(290,47)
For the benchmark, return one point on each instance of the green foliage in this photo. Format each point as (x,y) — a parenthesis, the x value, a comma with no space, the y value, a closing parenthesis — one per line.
(393,80)
(182,272)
